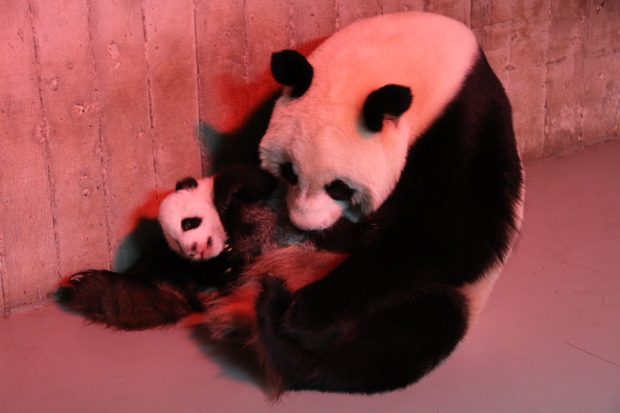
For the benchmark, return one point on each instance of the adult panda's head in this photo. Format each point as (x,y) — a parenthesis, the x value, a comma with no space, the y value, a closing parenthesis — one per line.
(190,221)
(341,131)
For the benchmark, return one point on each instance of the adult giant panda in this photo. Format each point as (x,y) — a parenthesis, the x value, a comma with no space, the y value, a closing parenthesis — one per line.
(396,144)
(396,139)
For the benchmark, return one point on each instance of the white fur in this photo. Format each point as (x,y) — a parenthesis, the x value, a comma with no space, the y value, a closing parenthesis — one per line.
(190,203)
(321,132)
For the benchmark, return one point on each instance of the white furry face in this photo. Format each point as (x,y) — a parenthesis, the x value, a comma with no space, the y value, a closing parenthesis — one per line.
(191,223)
(319,138)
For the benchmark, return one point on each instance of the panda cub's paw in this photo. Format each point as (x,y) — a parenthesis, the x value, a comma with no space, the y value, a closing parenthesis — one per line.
(83,293)
(123,301)
(64,294)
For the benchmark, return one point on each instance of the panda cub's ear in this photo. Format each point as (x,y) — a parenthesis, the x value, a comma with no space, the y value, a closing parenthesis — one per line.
(291,68)
(391,100)
(187,183)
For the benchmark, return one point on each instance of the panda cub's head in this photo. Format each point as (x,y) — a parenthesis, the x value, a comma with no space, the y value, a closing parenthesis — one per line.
(190,220)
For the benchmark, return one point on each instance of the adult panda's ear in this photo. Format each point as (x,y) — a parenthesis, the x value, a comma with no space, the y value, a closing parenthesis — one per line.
(388,101)
(187,183)
(291,68)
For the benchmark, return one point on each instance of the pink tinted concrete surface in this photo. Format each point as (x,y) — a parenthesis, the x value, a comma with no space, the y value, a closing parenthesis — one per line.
(548,340)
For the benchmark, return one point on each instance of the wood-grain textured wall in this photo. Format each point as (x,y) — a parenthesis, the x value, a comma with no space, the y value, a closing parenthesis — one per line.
(104,104)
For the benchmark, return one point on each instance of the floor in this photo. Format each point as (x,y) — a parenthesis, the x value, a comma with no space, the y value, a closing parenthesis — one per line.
(548,340)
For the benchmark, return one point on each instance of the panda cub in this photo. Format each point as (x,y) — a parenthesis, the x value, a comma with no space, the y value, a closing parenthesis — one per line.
(192,218)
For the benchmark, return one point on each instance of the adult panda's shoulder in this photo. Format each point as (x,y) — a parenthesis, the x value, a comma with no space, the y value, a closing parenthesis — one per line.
(462,186)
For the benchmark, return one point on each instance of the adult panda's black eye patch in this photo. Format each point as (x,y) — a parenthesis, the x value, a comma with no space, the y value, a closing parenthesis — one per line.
(287,172)
(339,191)
(191,223)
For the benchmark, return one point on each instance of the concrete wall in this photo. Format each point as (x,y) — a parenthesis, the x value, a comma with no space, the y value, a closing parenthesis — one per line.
(101,102)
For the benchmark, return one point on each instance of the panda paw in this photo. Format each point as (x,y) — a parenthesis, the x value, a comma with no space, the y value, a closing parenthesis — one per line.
(124,302)
(308,321)
(83,292)
(66,291)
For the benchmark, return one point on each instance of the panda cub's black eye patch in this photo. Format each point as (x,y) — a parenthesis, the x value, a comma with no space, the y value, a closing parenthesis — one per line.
(339,191)
(190,223)
(286,171)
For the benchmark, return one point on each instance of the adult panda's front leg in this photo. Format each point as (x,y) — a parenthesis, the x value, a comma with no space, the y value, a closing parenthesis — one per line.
(332,307)
(293,268)
(387,349)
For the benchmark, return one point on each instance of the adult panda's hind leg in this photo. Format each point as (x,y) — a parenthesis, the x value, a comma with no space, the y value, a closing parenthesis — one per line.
(123,301)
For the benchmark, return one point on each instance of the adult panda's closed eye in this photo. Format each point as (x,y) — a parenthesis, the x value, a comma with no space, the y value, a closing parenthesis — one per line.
(289,175)
(339,190)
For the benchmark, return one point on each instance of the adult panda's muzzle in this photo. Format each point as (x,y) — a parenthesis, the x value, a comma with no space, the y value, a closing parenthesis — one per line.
(312,212)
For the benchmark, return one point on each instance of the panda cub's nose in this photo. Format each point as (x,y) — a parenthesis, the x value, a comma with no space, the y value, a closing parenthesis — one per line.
(207,247)
(203,251)
(193,250)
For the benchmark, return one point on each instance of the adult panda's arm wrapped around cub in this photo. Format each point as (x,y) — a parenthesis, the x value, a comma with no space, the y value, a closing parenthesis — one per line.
(432,187)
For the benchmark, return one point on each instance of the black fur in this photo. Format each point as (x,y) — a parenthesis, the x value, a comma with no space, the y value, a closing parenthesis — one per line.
(291,68)
(187,183)
(190,223)
(392,100)
(339,190)
(242,183)
(391,348)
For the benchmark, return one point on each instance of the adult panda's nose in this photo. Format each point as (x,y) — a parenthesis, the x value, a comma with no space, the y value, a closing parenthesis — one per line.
(313,212)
